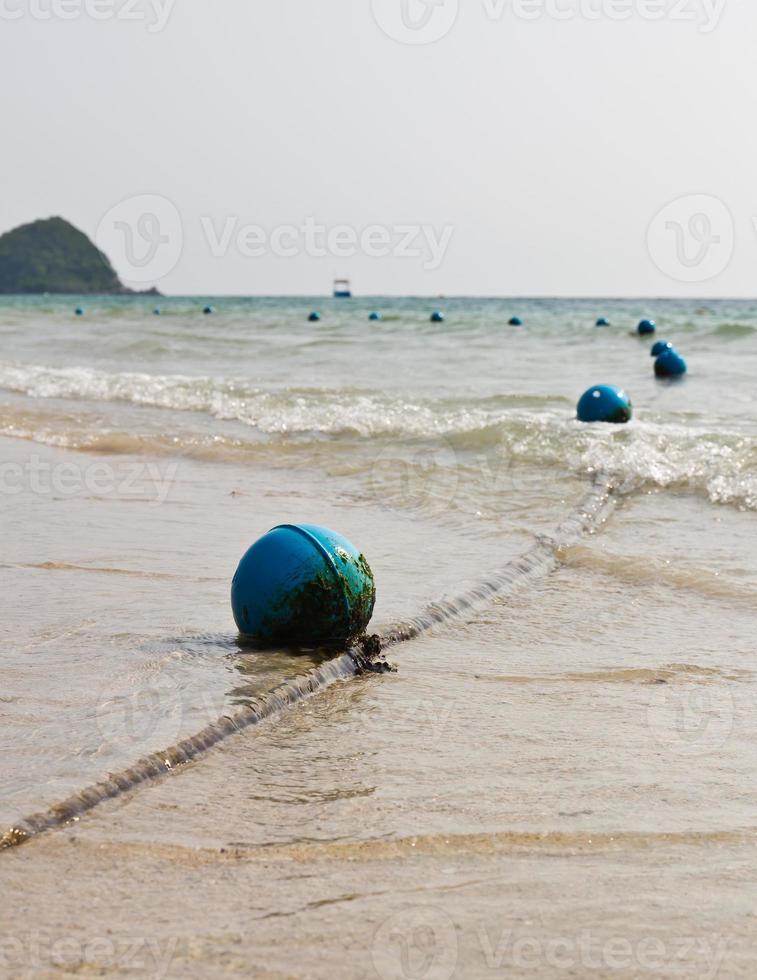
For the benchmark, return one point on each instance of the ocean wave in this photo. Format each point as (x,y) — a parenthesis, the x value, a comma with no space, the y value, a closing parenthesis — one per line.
(720,462)
(356,430)
(734,330)
(295,410)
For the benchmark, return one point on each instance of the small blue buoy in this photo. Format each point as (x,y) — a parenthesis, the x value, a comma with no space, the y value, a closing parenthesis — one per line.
(515,321)
(670,364)
(209,309)
(79,311)
(603,322)
(375,316)
(156,311)
(659,347)
(301,584)
(604,403)
(646,326)
(314,317)
(437,317)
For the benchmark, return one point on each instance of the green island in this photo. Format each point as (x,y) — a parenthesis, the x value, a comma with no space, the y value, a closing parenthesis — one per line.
(51,256)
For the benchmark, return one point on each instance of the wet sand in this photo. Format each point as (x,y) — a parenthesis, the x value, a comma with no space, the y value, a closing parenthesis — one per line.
(560,786)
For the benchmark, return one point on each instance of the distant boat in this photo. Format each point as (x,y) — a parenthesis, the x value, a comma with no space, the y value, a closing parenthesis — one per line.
(342,289)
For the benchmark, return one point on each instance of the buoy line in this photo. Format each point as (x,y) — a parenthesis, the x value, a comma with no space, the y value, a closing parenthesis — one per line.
(365,656)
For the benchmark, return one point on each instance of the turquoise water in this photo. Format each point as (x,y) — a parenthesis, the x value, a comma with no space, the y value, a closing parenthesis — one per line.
(257,378)
(595,724)
(143,454)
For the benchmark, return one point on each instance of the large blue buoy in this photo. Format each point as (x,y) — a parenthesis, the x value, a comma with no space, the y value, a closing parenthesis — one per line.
(604,403)
(301,584)
(314,317)
(670,364)
(647,327)
(659,347)
(437,317)
(79,311)
(515,321)
(603,322)
(374,316)
(208,310)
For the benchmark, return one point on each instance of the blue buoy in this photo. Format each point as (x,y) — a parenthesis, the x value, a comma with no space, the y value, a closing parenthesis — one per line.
(209,309)
(79,311)
(437,317)
(302,585)
(604,403)
(156,311)
(603,322)
(314,317)
(659,347)
(515,321)
(670,364)
(375,316)
(647,326)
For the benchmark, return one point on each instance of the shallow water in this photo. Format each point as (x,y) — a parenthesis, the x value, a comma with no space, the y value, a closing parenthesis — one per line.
(611,699)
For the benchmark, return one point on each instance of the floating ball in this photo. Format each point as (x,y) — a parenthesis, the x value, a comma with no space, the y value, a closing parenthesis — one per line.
(515,321)
(659,347)
(314,318)
(302,585)
(79,311)
(670,364)
(646,326)
(603,322)
(209,309)
(375,316)
(437,317)
(604,403)
(156,311)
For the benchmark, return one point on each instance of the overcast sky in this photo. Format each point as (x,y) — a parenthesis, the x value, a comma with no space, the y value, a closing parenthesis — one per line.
(508,147)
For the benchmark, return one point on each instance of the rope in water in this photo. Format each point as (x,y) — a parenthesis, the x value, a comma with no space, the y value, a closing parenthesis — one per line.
(542,558)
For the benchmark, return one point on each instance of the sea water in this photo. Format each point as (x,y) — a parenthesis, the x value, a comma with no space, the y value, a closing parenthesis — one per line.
(612,701)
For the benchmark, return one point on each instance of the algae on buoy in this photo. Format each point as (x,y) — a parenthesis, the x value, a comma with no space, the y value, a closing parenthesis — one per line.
(302,584)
